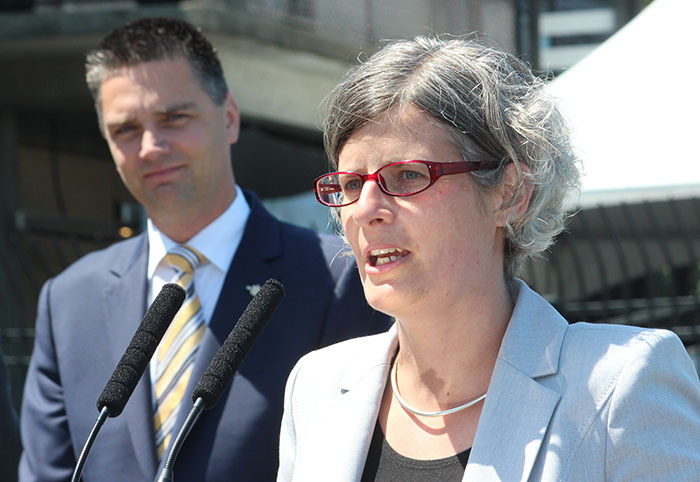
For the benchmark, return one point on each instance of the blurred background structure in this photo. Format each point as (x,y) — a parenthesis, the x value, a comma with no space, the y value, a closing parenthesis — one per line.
(632,255)
(627,258)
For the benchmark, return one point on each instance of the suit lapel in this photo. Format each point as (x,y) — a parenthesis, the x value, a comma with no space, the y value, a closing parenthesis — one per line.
(518,408)
(260,243)
(512,426)
(124,302)
(348,424)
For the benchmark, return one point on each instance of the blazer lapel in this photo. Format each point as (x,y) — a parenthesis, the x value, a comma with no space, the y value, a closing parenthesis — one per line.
(518,408)
(260,243)
(512,426)
(348,424)
(124,302)
(250,266)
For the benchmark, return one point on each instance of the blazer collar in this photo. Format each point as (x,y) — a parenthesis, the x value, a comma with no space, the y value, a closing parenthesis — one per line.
(129,257)
(534,335)
(518,408)
(262,231)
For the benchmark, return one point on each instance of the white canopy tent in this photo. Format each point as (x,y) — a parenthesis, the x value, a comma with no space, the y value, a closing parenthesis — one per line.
(634,108)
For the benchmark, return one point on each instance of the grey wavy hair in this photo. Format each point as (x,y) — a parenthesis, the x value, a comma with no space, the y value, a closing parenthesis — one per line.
(493,107)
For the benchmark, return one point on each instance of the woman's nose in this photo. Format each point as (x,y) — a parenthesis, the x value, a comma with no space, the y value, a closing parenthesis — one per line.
(373,206)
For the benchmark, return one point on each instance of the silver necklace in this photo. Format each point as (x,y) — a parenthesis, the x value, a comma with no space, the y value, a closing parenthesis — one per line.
(405,405)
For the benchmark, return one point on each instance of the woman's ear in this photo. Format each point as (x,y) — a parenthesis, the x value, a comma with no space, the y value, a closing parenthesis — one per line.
(516,192)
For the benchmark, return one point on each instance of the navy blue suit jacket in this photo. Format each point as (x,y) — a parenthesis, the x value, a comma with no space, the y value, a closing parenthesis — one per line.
(88,314)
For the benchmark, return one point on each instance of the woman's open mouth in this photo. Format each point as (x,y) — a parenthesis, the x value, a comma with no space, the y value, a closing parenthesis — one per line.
(378,257)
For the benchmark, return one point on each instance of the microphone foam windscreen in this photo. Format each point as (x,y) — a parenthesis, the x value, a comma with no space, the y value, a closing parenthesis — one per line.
(238,343)
(140,351)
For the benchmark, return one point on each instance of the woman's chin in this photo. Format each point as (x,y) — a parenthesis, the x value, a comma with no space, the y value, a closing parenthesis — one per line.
(384,297)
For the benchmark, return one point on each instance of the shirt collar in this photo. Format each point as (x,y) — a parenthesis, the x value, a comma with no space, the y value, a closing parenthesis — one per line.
(218,241)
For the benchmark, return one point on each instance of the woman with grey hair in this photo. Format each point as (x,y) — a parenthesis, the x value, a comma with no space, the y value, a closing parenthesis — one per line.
(452,166)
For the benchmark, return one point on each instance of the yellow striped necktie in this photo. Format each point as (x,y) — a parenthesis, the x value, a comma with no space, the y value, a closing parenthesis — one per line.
(176,353)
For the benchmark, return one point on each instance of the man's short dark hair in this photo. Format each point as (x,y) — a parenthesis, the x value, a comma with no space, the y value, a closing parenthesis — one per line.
(153,39)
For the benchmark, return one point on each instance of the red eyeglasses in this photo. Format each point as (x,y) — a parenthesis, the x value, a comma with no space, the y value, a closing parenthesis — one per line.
(403,178)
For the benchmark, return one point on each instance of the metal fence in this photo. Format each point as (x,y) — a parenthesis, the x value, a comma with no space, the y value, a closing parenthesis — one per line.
(632,263)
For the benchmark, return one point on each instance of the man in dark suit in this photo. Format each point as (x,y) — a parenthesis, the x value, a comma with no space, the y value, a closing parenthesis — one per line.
(169,120)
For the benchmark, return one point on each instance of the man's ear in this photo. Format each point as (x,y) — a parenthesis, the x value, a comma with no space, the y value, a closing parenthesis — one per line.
(515,195)
(233,118)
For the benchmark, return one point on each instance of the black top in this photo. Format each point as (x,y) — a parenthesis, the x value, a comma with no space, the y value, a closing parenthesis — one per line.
(385,465)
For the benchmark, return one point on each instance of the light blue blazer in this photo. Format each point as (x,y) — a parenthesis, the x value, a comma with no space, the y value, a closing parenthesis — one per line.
(580,402)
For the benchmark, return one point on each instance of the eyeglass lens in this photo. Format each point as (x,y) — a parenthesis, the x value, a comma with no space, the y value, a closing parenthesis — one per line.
(399,179)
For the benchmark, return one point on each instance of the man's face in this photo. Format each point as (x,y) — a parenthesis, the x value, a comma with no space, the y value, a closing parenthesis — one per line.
(169,141)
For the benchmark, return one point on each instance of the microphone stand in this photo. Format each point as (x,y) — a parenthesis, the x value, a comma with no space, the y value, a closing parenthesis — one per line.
(167,474)
(102,417)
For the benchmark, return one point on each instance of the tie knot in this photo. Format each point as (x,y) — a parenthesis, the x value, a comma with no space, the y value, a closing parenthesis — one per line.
(185,258)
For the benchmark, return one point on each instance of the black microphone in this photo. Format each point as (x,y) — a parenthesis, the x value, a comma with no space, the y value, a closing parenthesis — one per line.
(134,362)
(225,363)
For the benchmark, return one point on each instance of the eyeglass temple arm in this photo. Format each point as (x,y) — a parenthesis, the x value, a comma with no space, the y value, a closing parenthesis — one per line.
(458,167)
